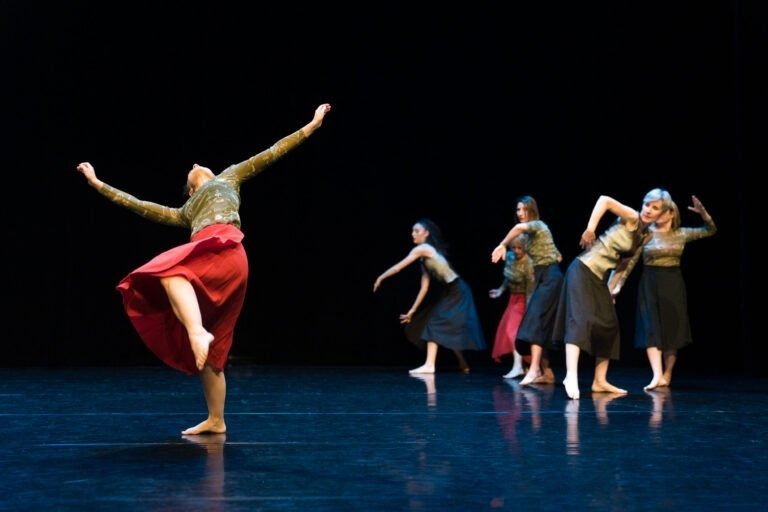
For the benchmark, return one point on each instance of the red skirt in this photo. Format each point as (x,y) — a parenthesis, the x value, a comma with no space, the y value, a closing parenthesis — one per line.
(214,261)
(506,333)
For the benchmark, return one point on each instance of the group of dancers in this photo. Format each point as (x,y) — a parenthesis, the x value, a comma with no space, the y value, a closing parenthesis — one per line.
(184,303)
(548,308)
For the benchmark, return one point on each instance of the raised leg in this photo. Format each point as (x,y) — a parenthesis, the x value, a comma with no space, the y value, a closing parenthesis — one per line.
(183,300)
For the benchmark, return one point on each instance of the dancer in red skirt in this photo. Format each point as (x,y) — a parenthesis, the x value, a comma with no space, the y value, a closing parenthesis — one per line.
(185,302)
(519,280)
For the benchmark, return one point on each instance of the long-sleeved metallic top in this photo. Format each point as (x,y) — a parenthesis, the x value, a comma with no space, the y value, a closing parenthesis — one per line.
(666,249)
(519,276)
(218,200)
(540,245)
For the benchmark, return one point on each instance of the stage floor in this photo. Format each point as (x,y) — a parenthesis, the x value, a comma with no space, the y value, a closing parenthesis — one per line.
(377,439)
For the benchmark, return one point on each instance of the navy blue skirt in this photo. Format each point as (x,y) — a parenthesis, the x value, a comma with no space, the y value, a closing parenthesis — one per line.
(451,320)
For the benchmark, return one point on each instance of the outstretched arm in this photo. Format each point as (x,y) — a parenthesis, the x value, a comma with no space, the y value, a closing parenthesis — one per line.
(416,253)
(500,251)
(628,215)
(495,293)
(708,229)
(257,163)
(317,120)
(149,210)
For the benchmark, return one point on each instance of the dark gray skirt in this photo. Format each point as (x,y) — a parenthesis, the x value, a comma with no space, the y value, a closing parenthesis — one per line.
(586,316)
(539,319)
(661,316)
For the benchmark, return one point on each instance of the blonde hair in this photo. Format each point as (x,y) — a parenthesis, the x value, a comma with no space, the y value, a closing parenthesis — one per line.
(660,194)
(676,216)
(518,241)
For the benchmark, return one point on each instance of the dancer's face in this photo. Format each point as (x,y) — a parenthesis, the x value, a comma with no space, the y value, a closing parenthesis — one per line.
(522,212)
(651,212)
(419,234)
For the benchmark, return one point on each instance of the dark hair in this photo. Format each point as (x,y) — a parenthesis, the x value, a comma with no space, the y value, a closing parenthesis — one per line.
(435,237)
(530,206)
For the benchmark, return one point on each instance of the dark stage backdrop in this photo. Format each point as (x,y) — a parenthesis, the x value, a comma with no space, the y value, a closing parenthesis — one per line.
(449,114)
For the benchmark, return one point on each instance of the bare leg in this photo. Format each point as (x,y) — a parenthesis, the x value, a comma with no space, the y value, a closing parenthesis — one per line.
(534,370)
(600,383)
(654,358)
(463,366)
(670,358)
(215,391)
(517,367)
(547,375)
(571,380)
(429,364)
(184,303)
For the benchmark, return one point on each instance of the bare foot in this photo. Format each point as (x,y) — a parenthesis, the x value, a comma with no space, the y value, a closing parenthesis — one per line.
(548,377)
(423,369)
(209,426)
(464,369)
(200,343)
(515,372)
(571,388)
(530,377)
(605,387)
(656,382)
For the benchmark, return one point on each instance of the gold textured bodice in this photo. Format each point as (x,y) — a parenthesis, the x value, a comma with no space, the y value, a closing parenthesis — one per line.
(608,249)
(665,249)
(217,201)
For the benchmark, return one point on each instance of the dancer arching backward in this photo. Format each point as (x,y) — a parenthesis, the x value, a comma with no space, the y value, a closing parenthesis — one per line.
(185,302)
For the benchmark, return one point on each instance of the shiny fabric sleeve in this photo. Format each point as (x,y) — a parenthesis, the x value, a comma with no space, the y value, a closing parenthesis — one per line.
(708,229)
(530,280)
(151,211)
(625,266)
(247,169)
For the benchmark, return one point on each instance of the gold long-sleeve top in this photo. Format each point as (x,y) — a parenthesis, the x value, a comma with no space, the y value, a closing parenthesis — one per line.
(666,249)
(217,201)
(518,275)
(608,250)
(540,245)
